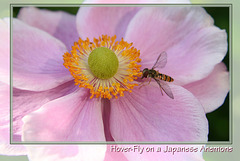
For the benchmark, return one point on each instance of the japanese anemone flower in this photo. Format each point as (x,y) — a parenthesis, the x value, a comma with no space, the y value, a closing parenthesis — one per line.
(62,91)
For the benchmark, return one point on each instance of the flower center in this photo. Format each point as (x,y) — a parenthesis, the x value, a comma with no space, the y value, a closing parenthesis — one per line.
(105,66)
(103,63)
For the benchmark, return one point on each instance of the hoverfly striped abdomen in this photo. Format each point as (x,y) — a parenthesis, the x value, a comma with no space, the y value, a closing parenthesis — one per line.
(165,77)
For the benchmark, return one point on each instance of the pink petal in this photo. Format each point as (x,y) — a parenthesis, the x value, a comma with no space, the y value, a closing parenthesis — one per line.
(106,105)
(4,50)
(25,102)
(146,115)
(66,152)
(37,59)
(59,24)
(74,117)
(5,147)
(194,46)
(4,103)
(212,90)
(97,21)
(114,155)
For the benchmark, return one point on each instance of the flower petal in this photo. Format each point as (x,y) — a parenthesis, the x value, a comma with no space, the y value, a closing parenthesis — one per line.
(115,155)
(106,107)
(194,46)
(25,102)
(59,24)
(5,147)
(146,115)
(212,90)
(4,50)
(74,117)
(37,59)
(97,21)
(66,152)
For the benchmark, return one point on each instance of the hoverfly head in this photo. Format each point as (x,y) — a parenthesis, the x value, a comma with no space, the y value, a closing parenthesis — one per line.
(145,73)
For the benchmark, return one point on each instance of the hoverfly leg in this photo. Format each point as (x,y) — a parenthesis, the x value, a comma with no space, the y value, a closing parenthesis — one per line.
(142,83)
(150,80)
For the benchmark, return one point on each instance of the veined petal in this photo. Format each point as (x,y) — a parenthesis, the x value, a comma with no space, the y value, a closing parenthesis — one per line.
(59,24)
(74,117)
(206,49)
(106,108)
(194,46)
(96,21)
(5,147)
(66,152)
(212,90)
(25,102)
(37,59)
(146,115)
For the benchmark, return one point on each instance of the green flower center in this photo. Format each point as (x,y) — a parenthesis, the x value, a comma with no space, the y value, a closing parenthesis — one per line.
(103,63)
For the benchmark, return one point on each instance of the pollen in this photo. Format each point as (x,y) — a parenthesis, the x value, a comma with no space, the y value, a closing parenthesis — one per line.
(107,67)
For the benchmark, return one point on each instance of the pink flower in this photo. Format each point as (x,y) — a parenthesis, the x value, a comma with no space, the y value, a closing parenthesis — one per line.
(54,109)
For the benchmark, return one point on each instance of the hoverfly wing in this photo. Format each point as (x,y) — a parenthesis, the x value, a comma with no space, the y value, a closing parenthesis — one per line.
(163,85)
(161,60)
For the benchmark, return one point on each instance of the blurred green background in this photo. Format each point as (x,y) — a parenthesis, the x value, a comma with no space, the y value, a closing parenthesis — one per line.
(219,119)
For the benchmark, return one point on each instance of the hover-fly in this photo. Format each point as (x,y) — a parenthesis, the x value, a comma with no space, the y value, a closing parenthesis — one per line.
(160,78)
